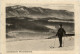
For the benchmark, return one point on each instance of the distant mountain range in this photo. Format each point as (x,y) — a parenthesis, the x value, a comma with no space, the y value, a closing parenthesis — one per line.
(37,12)
(38,19)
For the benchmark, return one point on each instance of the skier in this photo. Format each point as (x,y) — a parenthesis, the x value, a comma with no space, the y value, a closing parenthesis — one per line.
(60,34)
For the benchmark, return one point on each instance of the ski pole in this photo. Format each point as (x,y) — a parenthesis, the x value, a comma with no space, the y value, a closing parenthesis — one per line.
(63,41)
(54,42)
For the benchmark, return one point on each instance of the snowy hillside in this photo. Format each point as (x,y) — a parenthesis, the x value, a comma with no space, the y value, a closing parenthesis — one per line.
(40,44)
(37,12)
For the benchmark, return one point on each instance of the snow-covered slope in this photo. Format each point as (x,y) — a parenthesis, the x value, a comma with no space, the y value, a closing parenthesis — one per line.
(37,12)
(40,44)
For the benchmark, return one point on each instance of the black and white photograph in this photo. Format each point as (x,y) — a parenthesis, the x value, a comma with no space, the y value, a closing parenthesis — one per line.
(40,27)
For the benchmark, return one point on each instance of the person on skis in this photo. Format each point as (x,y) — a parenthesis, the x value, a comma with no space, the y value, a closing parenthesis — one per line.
(60,34)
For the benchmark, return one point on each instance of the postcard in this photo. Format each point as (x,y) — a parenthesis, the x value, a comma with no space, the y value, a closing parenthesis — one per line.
(39,27)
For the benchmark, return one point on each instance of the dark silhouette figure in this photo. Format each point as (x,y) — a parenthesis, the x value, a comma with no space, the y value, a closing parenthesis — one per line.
(60,34)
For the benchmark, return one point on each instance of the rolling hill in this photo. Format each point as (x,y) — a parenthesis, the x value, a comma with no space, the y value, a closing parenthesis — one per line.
(38,19)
